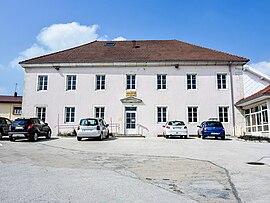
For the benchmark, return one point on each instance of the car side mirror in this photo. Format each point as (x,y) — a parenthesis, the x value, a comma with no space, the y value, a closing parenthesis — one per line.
(199,126)
(107,125)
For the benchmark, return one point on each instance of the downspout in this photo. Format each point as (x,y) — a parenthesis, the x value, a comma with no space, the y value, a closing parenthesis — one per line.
(232,97)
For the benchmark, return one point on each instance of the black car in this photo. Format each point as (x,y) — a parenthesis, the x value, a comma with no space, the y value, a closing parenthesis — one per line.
(4,126)
(30,128)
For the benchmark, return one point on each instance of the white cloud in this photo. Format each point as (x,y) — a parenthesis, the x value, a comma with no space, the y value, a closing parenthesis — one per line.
(120,38)
(59,37)
(263,67)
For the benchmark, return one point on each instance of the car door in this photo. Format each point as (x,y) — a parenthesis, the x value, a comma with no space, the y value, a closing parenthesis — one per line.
(201,128)
(3,125)
(44,128)
(8,124)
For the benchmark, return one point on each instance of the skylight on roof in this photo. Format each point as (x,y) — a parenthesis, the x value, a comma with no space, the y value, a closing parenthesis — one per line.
(109,44)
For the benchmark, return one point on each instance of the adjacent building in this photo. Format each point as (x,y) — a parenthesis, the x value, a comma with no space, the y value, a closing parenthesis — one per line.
(136,86)
(10,106)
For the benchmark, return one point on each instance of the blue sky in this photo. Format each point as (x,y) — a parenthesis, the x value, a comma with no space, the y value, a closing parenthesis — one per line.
(30,28)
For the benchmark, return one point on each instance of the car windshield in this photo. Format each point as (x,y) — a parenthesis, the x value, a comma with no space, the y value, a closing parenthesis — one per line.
(213,124)
(176,123)
(20,122)
(88,122)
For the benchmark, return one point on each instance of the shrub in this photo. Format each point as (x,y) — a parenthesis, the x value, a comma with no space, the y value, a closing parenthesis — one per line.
(255,138)
(67,134)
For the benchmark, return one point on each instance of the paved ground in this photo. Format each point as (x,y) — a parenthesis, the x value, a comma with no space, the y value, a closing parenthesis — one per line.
(134,170)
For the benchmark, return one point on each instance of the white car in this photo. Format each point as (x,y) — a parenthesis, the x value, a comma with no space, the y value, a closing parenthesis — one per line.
(92,128)
(175,129)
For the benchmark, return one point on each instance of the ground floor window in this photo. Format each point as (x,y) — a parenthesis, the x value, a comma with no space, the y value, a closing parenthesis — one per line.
(223,114)
(99,112)
(257,119)
(192,114)
(69,114)
(17,110)
(161,114)
(41,113)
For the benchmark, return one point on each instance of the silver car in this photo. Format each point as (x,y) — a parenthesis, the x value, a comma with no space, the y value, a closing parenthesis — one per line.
(92,128)
(175,129)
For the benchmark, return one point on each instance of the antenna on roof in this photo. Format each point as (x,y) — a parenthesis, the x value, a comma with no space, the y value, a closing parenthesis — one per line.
(15,92)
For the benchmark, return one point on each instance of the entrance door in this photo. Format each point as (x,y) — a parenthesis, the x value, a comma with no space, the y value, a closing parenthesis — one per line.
(130,120)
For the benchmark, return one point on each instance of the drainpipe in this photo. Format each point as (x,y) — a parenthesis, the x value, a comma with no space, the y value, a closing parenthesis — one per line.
(232,97)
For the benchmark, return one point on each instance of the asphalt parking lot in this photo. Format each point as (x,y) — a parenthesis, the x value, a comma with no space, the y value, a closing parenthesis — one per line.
(134,170)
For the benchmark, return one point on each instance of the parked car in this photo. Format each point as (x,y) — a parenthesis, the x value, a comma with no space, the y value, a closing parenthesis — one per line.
(92,128)
(30,128)
(4,126)
(175,129)
(211,129)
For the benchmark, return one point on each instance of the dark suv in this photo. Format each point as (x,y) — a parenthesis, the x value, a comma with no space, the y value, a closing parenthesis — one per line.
(4,126)
(31,129)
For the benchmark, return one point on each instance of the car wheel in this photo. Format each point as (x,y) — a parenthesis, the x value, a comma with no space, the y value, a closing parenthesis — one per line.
(49,135)
(199,136)
(11,139)
(166,136)
(79,138)
(1,135)
(35,137)
(100,137)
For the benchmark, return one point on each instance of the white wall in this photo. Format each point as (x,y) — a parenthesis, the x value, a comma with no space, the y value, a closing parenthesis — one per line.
(207,97)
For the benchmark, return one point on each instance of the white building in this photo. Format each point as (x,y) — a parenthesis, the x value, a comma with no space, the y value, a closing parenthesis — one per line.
(135,85)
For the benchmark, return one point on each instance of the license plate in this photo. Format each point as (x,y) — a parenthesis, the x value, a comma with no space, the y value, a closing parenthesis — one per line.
(214,133)
(18,128)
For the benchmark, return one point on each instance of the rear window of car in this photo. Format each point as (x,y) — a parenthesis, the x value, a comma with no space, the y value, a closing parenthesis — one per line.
(213,124)
(20,122)
(176,123)
(88,122)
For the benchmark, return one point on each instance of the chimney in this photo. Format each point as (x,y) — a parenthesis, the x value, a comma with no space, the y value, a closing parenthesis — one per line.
(15,92)
(133,43)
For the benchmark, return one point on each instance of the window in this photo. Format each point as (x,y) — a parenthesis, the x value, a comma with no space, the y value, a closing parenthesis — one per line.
(221,81)
(100,82)
(131,82)
(71,82)
(223,114)
(257,119)
(99,112)
(41,113)
(69,114)
(192,114)
(17,110)
(42,82)
(191,81)
(161,82)
(161,114)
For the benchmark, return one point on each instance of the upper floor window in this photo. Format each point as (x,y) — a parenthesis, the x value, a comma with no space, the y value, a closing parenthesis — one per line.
(223,114)
(42,82)
(192,114)
(221,81)
(69,114)
(41,113)
(161,82)
(161,114)
(100,82)
(191,81)
(17,110)
(99,112)
(71,82)
(131,82)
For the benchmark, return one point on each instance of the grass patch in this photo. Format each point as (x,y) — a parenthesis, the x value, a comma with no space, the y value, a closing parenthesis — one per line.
(255,138)
(67,134)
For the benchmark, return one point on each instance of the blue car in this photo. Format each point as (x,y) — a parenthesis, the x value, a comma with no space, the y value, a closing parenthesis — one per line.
(211,129)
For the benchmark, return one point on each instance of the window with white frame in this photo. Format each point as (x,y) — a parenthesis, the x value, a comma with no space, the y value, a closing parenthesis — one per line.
(192,114)
(100,82)
(221,81)
(161,82)
(71,82)
(42,82)
(131,82)
(69,114)
(223,114)
(257,119)
(17,110)
(41,113)
(191,81)
(99,112)
(161,114)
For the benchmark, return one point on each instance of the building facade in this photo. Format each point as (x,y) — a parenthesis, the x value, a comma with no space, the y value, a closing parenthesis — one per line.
(135,85)
(10,106)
